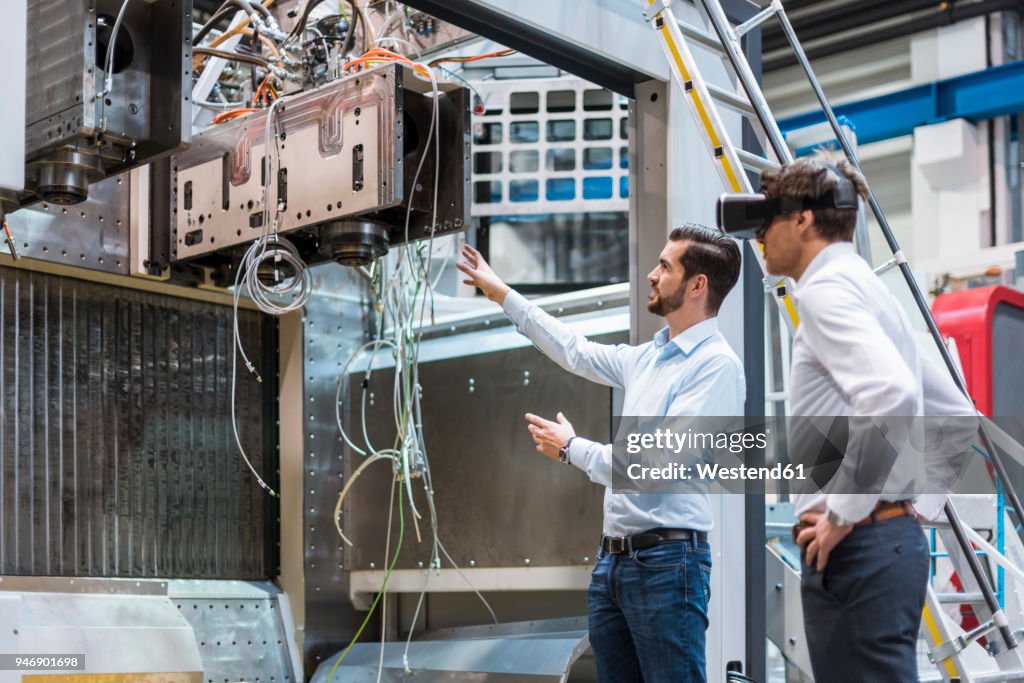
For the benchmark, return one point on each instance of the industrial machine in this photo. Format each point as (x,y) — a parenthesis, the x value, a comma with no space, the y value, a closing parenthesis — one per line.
(364,162)
(117,80)
(174,463)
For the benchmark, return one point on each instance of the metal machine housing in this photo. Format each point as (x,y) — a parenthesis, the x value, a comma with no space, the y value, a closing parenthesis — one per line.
(75,134)
(347,155)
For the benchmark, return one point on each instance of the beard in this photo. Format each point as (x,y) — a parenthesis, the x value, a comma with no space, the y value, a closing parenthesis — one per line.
(663,305)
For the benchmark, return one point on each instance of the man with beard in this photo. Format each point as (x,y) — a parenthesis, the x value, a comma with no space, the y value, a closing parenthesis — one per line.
(649,590)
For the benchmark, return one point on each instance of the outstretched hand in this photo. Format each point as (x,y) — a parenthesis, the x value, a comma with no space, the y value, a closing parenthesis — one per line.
(481,275)
(550,436)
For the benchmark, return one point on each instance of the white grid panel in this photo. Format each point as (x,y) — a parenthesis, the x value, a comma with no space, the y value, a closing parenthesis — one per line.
(566,154)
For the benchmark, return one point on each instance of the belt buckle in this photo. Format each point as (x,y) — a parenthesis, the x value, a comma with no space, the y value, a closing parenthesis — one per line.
(616,544)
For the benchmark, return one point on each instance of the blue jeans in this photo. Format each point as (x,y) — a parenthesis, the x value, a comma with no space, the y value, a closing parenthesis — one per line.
(863,613)
(648,613)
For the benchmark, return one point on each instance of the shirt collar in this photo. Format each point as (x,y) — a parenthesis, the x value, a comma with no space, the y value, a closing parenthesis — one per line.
(687,340)
(826,256)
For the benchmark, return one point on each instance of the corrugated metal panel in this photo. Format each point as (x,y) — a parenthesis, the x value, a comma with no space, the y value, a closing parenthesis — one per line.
(116,453)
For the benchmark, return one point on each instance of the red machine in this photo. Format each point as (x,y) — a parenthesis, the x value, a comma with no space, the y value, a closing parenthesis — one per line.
(987,324)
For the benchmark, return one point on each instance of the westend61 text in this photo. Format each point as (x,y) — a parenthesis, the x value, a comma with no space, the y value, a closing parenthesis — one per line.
(706,472)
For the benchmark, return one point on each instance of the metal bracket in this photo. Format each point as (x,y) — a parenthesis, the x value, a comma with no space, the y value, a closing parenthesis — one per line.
(957,645)
(898,259)
(758,19)
(996,646)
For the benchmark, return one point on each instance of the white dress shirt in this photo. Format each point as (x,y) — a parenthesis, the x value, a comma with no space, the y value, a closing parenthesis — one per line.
(694,374)
(854,355)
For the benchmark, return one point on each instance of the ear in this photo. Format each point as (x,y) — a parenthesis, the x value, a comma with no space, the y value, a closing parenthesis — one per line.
(698,284)
(805,225)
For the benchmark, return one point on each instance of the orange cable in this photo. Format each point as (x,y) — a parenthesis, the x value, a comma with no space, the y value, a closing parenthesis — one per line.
(233,114)
(499,53)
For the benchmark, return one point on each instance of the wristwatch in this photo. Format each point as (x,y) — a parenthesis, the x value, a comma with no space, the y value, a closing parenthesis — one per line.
(834,518)
(563,452)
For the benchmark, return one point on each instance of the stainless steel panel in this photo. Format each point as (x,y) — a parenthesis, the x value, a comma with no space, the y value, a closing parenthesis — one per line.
(116,633)
(485,475)
(317,156)
(382,114)
(336,322)
(531,651)
(240,633)
(785,626)
(499,502)
(92,235)
(116,454)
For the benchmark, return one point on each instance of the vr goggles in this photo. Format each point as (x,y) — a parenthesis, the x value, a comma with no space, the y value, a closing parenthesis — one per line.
(745,215)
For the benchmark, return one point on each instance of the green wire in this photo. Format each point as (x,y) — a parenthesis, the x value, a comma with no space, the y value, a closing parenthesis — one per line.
(380,593)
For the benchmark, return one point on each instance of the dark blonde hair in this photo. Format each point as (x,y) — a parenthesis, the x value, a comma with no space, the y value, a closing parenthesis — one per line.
(811,178)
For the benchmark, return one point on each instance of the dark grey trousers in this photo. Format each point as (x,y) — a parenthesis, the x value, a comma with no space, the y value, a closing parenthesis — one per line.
(863,613)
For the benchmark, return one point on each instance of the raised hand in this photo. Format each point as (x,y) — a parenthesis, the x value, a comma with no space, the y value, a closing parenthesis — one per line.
(481,275)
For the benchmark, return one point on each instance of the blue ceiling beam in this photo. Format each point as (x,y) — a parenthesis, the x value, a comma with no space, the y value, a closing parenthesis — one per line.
(977,96)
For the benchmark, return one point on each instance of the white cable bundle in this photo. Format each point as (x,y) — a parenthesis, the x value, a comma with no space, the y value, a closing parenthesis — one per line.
(404,295)
(290,294)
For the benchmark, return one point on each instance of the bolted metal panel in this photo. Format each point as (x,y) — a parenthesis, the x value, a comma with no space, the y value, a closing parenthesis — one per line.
(91,235)
(336,322)
(239,629)
(486,470)
(116,450)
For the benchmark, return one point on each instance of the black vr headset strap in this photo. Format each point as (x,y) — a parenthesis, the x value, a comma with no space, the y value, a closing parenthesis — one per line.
(844,194)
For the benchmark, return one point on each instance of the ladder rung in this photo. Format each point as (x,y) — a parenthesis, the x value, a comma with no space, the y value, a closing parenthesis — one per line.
(756,20)
(731,100)
(998,676)
(755,162)
(959,598)
(700,36)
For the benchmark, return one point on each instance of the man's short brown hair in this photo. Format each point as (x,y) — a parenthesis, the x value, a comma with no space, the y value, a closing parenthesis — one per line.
(712,253)
(811,178)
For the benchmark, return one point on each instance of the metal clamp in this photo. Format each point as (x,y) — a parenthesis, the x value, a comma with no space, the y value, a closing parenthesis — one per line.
(956,645)
(898,259)
(995,646)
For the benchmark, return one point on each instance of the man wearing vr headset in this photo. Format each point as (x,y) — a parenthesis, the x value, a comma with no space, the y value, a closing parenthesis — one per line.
(649,591)
(865,557)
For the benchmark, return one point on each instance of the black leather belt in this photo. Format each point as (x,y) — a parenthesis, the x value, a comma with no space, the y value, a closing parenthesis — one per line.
(648,539)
